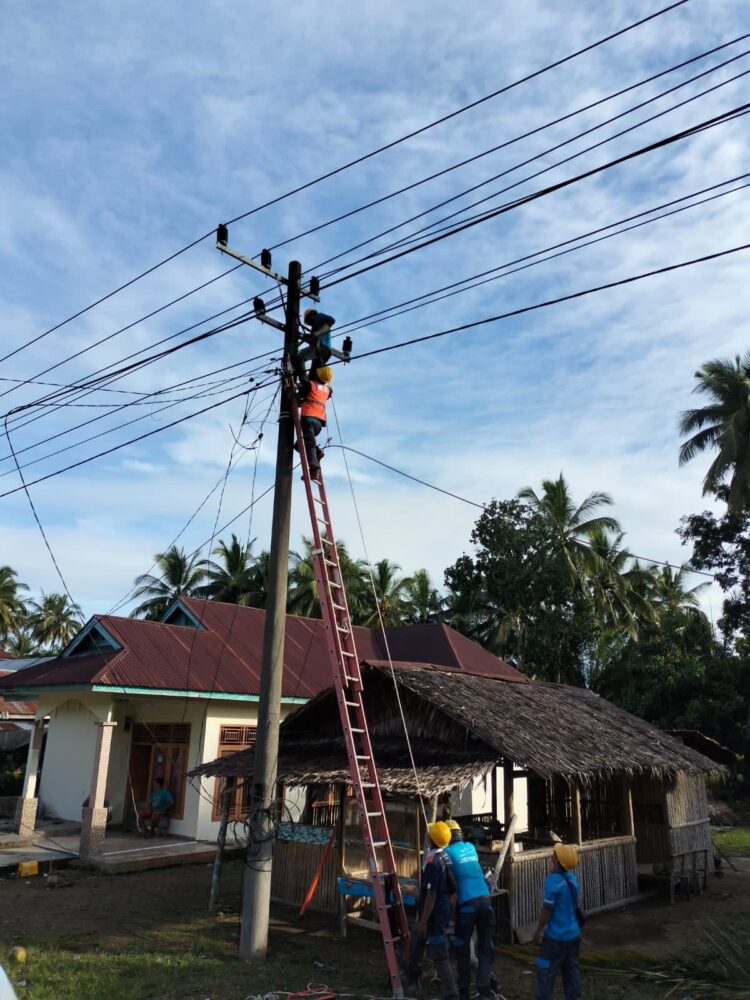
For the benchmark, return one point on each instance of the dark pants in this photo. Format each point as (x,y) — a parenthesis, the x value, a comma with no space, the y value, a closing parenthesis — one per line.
(558,957)
(476,913)
(441,959)
(311,427)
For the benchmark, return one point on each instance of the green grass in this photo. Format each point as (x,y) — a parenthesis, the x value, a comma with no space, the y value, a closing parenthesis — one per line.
(733,841)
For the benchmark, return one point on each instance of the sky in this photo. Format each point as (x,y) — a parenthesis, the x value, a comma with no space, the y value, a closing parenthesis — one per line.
(131,130)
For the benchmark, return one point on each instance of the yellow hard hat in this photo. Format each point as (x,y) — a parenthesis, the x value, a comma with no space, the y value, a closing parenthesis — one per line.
(324,374)
(567,855)
(452,824)
(439,833)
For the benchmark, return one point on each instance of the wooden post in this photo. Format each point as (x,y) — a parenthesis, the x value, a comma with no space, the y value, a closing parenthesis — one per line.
(577,817)
(627,806)
(495,798)
(508,811)
(226,806)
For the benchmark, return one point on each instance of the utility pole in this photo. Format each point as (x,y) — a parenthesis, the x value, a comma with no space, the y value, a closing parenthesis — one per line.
(257,883)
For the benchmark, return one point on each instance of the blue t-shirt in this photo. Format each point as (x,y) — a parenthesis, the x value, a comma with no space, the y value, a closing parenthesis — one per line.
(161,799)
(467,871)
(562,924)
(435,878)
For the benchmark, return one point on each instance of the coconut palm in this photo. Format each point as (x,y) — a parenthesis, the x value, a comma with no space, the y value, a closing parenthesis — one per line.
(388,596)
(619,586)
(670,592)
(230,580)
(723,424)
(12,608)
(54,620)
(21,643)
(257,595)
(422,603)
(303,590)
(571,525)
(180,575)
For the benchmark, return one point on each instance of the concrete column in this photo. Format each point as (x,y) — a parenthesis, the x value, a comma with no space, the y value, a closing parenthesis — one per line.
(28,802)
(94,820)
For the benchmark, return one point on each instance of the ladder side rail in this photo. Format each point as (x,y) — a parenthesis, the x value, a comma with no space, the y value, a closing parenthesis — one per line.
(348,686)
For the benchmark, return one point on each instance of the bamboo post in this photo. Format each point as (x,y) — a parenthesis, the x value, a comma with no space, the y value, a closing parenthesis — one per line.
(226,804)
(577,815)
(627,787)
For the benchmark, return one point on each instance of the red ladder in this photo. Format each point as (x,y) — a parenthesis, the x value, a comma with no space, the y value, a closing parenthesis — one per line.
(347,679)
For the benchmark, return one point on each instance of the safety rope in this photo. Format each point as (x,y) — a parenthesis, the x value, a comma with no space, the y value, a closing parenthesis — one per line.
(381,620)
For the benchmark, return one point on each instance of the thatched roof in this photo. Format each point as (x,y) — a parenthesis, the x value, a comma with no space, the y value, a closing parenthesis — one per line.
(458,722)
(319,761)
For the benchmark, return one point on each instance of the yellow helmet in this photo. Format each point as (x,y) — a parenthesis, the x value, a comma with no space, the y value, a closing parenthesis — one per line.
(324,374)
(452,824)
(567,855)
(439,833)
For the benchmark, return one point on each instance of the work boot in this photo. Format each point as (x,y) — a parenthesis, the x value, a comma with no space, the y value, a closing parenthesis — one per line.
(320,452)
(315,473)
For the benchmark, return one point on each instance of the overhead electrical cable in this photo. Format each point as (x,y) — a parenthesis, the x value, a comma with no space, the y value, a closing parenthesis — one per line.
(416,340)
(722,119)
(518,138)
(360,159)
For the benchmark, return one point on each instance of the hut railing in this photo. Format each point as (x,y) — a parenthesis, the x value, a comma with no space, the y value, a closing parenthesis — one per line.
(607,873)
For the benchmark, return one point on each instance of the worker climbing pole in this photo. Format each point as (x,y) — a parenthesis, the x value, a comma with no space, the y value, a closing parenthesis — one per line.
(306,393)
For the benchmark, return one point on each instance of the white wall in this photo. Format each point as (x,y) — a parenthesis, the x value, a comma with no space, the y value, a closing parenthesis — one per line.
(69,752)
(476,797)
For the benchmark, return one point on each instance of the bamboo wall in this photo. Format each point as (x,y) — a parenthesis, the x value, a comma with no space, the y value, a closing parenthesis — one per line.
(671,817)
(607,872)
(294,866)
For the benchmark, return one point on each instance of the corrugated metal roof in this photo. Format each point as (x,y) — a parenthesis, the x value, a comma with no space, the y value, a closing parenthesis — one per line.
(225,655)
(16,709)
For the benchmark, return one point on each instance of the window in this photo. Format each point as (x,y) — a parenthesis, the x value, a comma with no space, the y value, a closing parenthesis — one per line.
(231,739)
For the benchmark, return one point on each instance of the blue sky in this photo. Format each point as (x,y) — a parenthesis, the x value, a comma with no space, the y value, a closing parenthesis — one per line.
(131,129)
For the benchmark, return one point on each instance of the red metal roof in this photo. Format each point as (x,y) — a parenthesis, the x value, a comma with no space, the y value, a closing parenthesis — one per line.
(225,655)
(16,708)
(5,656)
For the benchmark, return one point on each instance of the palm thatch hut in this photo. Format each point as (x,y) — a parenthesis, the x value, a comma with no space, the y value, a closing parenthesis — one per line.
(565,761)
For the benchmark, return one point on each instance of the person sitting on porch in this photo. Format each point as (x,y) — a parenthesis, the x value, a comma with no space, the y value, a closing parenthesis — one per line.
(159,804)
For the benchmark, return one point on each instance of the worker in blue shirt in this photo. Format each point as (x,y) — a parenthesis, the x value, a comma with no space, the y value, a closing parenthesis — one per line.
(474,911)
(558,931)
(436,909)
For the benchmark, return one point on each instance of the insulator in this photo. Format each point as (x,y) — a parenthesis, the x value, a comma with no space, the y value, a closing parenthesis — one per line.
(222,234)
(315,285)
(259,306)
(265,259)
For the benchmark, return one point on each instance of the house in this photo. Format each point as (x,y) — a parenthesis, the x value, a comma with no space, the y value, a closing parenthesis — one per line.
(131,700)
(485,746)
(15,715)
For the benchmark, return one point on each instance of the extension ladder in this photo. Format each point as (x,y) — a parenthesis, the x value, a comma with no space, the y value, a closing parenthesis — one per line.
(347,679)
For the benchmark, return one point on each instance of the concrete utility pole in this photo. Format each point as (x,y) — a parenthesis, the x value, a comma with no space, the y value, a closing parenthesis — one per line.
(257,885)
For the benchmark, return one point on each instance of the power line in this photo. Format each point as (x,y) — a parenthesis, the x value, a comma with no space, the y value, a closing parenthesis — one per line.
(518,138)
(550,302)
(722,119)
(354,162)
(482,506)
(141,437)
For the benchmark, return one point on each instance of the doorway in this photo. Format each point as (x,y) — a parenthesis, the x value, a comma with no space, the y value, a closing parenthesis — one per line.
(157,751)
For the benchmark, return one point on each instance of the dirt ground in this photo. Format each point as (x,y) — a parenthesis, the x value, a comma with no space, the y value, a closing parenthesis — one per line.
(159,917)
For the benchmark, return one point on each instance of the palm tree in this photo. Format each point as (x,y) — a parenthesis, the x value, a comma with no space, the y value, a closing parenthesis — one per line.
(422,603)
(724,424)
(258,593)
(180,575)
(54,620)
(21,643)
(620,588)
(12,608)
(231,580)
(303,590)
(571,526)
(671,593)
(388,596)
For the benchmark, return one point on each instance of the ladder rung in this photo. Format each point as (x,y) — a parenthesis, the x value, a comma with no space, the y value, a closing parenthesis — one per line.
(352,680)
(351,704)
(332,583)
(353,729)
(363,756)
(322,520)
(341,628)
(367,784)
(329,562)
(379,843)
(326,541)
(318,500)
(344,653)
(375,813)
(338,607)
